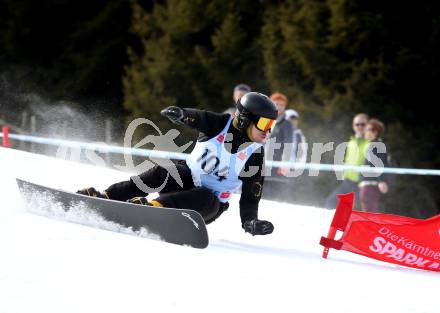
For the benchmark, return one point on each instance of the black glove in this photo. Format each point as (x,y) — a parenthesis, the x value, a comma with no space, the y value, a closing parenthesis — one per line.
(174,114)
(138,200)
(257,227)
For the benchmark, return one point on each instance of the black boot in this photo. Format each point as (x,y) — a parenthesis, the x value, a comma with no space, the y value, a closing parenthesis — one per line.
(144,201)
(92,192)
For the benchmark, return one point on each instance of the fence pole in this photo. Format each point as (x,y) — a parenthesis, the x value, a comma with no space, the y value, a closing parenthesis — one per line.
(24,118)
(5,130)
(33,131)
(108,138)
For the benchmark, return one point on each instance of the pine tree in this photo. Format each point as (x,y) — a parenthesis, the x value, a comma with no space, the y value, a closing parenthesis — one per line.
(191,53)
(340,57)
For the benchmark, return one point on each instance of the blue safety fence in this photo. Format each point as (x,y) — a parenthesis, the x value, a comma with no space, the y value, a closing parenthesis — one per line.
(104,148)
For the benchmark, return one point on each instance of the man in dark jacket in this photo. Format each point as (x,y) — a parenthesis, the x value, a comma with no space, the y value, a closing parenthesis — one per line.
(228,151)
(281,138)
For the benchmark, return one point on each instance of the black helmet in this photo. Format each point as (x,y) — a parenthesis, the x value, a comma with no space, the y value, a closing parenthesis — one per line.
(252,106)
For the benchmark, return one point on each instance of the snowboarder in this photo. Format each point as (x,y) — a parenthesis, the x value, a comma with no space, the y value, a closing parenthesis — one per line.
(228,154)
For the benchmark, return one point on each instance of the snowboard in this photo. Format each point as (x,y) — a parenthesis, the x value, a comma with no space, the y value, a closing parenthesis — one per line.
(178,226)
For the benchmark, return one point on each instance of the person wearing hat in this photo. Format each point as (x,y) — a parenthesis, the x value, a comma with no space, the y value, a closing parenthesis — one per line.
(299,153)
(228,155)
(292,116)
(239,91)
(277,185)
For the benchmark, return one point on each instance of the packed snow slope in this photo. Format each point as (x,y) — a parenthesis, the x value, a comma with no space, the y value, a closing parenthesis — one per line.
(49,265)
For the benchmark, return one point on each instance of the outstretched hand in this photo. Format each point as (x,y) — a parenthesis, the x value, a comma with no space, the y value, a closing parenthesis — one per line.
(174,114)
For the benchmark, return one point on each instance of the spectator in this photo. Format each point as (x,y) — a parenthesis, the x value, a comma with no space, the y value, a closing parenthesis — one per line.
(371,186)
(239,91)
(277,184)
(354,155)
(299,153)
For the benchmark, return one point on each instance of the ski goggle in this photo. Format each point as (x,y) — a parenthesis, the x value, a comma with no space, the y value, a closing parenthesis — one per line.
(264,124)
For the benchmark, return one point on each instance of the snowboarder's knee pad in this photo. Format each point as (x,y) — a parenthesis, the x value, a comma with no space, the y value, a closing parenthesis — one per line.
(207,202)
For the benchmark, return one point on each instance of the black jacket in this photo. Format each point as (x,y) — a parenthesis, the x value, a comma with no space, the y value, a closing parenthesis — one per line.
(282,133)
(209,125)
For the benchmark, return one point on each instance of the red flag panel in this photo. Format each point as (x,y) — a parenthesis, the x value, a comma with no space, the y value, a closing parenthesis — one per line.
(390,238)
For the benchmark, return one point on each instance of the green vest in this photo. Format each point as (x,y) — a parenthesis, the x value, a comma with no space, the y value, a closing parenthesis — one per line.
(355,155)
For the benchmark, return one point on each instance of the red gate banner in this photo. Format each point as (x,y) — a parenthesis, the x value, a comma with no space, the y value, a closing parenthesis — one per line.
(390,238)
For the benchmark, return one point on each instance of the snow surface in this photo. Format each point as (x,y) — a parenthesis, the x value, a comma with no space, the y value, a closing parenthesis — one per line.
(49,265)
